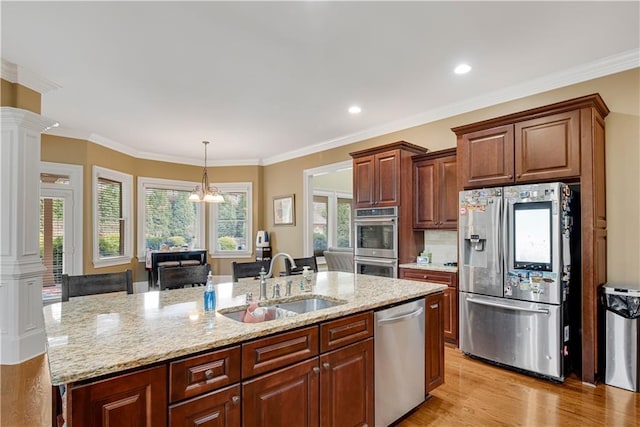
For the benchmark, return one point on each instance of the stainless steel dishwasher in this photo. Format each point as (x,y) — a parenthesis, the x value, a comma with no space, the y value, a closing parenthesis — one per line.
(399,361)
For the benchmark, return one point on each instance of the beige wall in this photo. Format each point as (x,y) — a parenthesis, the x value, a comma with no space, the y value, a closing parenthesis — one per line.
(18,96)
(619,91)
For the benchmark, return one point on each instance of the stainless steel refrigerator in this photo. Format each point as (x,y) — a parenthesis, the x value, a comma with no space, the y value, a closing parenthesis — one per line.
(514,269)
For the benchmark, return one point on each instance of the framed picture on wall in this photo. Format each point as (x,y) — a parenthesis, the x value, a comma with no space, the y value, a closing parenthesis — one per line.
(284,210)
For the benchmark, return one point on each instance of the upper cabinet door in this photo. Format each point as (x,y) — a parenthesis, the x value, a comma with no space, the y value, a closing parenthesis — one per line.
(548,148)
(425,194)
(387,178)
(448,192)
(486,157)
(363,188)
(435,187)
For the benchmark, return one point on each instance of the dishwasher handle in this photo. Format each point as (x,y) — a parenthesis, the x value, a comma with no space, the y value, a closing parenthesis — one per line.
(407,316)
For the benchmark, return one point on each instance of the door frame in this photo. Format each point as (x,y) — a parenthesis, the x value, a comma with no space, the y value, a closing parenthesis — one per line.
(72,195)
(307,199)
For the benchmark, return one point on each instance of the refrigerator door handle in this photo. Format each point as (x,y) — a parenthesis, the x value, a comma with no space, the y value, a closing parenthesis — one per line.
(509,307)
(496,235)
(505,234)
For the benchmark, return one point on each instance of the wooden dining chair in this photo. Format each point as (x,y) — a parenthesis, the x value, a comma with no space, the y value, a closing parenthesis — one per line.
(93,284)
(300,263)
(179,277)
(240,270)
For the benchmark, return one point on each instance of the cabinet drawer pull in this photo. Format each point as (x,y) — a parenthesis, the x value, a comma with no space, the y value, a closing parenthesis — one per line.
(235,400)
(325,365)
(434,306)
(208,374)
(316,370)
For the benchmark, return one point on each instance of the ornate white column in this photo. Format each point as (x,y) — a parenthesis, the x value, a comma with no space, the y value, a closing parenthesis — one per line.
(22,334)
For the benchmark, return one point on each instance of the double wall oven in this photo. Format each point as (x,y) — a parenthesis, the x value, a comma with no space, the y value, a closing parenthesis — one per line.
(376,241)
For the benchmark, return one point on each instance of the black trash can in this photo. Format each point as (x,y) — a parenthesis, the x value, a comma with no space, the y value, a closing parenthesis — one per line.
(622,306)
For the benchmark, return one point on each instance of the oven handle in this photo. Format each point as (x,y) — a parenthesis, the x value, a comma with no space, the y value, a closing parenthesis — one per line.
(376,261)
(374,220)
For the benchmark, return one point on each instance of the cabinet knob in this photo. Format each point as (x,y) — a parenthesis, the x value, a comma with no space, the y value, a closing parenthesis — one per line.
(325,365)
(510,176)
(235,399)
(316,370)
(425,277)
(208,374)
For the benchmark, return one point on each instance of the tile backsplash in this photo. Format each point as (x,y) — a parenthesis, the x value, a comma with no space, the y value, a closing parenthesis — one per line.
(443,245)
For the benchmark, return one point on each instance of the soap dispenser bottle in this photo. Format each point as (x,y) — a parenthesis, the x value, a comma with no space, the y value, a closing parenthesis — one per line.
(209,294)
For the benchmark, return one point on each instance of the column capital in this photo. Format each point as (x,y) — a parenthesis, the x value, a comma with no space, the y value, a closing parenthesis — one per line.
(25,119)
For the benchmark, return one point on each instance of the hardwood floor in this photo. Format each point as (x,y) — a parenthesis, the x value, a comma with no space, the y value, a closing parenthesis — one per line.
(479,394)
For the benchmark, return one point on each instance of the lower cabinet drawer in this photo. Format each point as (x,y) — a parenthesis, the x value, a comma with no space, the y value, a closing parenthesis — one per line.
(220,408)
(265,354)
(443,277)
(338,333)
(203,373)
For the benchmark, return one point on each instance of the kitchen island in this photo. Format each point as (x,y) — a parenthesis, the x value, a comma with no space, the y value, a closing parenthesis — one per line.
(163,348)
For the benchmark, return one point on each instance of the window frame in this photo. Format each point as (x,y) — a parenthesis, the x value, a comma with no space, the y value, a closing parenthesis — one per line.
(229,187)
(127,214)
(166,184)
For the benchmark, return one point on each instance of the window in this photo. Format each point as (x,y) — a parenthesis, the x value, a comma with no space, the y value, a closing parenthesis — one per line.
(331,221)
(167,217)
(320,224)
(230,225)
(112,213)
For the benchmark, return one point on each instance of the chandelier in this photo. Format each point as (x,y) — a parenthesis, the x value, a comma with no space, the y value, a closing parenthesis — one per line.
(206,192)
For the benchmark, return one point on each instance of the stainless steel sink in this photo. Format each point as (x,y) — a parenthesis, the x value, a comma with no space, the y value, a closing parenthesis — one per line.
(307,305)
(282,309)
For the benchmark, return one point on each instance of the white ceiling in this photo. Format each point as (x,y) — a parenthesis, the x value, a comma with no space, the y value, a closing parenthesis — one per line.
(268,81)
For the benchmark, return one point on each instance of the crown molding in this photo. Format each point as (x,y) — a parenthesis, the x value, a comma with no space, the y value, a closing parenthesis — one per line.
(146,155)
(603,67)
(25,77)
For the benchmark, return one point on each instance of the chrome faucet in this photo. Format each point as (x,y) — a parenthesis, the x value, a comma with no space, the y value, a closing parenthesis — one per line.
(265,275)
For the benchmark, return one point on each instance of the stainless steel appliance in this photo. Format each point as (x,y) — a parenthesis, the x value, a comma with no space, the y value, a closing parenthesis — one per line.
(383,267)
(376,241)
(399,361)
(514,270)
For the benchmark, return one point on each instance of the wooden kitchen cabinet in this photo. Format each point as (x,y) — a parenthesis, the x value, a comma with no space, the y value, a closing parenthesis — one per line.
(434,342)
(138,398)
(535,148)
(380,177)
(333,389)
(435,190)
(450,296)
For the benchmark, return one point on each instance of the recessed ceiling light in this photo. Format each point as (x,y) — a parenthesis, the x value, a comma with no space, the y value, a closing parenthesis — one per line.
(462,69)
(354,109)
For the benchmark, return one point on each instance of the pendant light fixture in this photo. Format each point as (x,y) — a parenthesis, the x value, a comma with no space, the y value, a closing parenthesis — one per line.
(206,192)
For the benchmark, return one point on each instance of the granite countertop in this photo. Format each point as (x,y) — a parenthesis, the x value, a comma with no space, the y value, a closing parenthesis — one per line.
(433,267)
(97,335)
